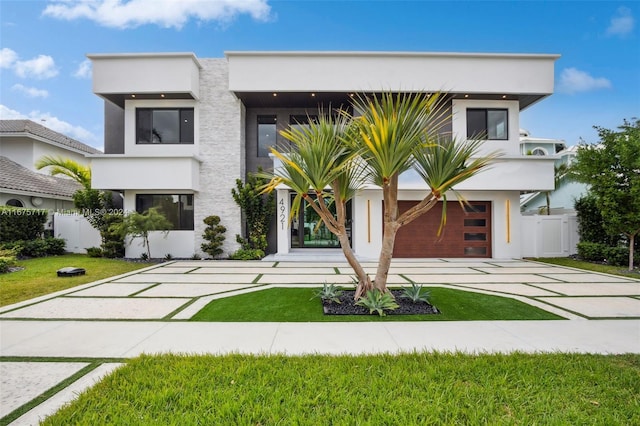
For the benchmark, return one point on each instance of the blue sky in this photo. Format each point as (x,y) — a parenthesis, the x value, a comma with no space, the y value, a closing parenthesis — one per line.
(44,74)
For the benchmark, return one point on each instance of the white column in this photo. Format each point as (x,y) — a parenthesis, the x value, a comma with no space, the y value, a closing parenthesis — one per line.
(282,221)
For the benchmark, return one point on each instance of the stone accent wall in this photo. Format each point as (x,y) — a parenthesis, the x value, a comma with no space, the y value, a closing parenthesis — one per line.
(222,151)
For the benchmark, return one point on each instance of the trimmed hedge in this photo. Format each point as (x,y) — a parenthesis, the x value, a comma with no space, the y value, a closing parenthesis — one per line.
(36,248)
(18,224)
(598,252)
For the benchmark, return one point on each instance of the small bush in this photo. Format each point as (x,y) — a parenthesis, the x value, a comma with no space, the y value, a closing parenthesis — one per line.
(330,293)
(214,234)
(416,293)
(592,252)
(94,252)
(112,239)
(247,254)
(7,260)
(617,256)
(54,246)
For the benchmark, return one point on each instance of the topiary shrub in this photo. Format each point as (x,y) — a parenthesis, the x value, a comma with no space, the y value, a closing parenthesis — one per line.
(214,234)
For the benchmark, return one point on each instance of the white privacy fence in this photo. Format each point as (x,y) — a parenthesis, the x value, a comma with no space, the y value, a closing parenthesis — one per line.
(76,230)
(549,236)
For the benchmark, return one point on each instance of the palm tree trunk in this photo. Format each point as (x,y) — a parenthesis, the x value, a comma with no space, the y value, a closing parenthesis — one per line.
(548,202)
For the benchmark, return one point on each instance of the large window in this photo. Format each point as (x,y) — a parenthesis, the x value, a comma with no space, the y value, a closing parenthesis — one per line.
(266,134)
(487,124)
(178,209)
(165,125)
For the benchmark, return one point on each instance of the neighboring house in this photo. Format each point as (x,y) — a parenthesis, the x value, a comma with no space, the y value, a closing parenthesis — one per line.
(180,130)
(562,198)
(22,143)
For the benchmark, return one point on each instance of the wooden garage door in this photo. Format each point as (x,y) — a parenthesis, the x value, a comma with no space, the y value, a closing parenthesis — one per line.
(466,234)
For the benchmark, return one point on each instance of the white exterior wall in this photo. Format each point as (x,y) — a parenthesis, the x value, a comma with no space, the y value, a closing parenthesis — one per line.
(145,73)
(26,151)
(157,172)
(505,229)
(507,147)
(395,71)
(222,152)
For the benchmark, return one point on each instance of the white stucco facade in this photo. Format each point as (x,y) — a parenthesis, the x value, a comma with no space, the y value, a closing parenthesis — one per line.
(223,92)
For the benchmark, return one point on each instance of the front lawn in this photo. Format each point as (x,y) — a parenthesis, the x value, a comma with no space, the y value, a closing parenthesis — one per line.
(411,389)
(298,304)
(39,276)
(589,266)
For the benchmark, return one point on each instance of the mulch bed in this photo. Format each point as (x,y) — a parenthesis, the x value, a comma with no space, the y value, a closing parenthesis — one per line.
(347,307)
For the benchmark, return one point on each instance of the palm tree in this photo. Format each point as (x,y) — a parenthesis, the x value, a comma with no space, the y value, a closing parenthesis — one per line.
(67,167)
(333,158)
(404,131)
(560,173)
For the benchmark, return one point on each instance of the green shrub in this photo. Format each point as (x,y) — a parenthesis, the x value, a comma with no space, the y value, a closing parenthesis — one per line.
(94,251)
(54,246)
(214,234)
(247,254)
(7,260)
(18,224)
(617,256)
(112,239)
(592,252)
(590,223)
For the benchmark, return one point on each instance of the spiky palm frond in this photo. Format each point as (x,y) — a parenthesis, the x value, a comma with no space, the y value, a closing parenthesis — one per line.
(64,166)
(392,126)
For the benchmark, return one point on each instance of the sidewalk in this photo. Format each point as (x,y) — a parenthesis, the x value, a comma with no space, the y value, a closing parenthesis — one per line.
(100,323)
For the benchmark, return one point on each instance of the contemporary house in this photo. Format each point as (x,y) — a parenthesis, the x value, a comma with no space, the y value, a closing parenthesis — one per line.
(22,143)
(179,130)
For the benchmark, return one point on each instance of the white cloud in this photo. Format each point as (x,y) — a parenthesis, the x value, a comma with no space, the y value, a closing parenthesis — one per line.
(622,23)
(40,67)
(573,80)
(84,69)
(31,92)
(7,57)
(164,13)
(54,123)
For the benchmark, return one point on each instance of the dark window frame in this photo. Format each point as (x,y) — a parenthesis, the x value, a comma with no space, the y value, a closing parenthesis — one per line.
(478,127)
(266,119)
(184,222)
(185,126)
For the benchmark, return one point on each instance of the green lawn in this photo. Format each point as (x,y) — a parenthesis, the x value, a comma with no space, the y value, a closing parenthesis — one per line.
(39,276)
(298,304)
(596,267)
(411,389)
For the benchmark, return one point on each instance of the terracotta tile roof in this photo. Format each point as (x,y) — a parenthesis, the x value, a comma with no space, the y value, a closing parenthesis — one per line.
(33,128)
(14,176)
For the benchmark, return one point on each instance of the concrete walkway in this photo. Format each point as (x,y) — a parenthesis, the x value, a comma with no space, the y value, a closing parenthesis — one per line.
(147,312)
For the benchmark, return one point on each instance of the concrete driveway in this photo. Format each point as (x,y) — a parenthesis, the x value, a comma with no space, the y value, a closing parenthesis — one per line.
(147,312)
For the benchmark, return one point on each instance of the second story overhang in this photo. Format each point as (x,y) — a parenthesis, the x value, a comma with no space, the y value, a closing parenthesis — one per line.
(118,77)
(266,78)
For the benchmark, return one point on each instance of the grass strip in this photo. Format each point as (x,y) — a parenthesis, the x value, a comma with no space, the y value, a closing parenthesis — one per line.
(39,276)
(299,305)
(588,266)
(48,393)
(411,389)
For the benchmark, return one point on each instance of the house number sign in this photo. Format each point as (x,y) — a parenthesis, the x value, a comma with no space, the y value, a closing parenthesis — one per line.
(283,213)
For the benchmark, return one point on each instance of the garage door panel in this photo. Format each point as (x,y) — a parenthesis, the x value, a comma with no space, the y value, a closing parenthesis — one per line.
(467,232)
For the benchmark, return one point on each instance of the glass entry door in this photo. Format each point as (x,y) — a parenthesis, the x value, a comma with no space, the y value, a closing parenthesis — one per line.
(308,232)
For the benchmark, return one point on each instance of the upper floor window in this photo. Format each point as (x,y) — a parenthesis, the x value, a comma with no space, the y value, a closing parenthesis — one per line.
(485,123)
(266,134)
(164,125)
(178,209)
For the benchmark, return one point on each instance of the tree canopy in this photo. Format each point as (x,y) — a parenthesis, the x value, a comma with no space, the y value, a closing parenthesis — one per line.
(612,169)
